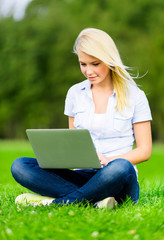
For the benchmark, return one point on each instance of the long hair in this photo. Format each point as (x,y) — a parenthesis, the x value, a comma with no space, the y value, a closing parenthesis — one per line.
(100,45)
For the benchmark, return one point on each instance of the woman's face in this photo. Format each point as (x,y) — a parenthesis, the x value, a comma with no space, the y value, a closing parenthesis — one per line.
(93,69)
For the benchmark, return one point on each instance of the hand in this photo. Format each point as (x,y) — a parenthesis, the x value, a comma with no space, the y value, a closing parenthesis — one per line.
(103,160)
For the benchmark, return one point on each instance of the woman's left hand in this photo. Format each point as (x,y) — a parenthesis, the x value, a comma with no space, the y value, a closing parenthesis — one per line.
(104,160)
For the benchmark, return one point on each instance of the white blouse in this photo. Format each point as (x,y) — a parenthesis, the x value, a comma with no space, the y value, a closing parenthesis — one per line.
(112,133)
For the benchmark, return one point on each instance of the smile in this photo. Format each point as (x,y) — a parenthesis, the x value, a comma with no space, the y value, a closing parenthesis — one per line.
(92,78)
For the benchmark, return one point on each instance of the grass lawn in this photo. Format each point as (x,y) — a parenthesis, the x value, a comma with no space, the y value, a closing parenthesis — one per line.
(144,221)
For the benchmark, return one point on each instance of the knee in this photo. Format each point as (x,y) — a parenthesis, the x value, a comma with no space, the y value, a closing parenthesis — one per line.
(122,167)
(18,167)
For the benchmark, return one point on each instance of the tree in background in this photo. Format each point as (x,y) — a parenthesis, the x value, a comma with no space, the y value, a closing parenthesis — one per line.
(37,66)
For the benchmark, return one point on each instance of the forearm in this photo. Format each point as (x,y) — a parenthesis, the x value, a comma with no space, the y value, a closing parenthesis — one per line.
(135,156)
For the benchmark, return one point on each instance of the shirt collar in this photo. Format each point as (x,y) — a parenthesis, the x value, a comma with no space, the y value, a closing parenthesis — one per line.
(86,87)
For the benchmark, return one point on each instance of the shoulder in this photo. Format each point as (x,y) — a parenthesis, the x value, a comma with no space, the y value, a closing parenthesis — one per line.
(135,93)
(139,103)
(134,89)
(76,98)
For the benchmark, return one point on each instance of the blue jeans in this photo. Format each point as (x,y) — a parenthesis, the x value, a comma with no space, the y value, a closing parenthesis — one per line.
(118,179)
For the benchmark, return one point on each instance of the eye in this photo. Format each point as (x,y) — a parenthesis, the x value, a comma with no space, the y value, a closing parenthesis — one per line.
(82,64)
(96,64)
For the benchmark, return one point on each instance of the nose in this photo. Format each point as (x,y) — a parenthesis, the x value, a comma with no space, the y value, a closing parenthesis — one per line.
(89,70)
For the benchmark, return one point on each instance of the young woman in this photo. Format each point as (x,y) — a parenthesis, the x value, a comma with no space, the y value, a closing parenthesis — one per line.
(116,112)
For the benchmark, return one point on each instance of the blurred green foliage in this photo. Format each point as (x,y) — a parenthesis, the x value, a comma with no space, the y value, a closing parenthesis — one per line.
(37,66)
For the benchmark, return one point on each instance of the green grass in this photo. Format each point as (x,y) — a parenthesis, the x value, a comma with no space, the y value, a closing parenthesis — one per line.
(144,221)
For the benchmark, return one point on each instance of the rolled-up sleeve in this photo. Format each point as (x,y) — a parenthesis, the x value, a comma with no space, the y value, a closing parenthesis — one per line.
(141,110)
(69,104)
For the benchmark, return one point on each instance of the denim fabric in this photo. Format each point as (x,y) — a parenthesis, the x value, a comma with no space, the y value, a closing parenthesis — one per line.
(118,179)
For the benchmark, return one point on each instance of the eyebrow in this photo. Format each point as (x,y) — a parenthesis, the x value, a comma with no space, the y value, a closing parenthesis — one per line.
(90,62)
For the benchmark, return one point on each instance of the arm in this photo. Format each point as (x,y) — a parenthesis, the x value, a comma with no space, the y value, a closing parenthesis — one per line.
(70,122)
(142,152)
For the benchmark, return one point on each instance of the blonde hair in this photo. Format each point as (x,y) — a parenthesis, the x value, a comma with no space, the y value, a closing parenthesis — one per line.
(99,44)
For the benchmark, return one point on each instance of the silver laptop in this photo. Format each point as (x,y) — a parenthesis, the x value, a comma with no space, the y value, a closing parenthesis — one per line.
(63,148)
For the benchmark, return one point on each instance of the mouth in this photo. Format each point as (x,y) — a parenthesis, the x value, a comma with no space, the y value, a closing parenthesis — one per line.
(92,78)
